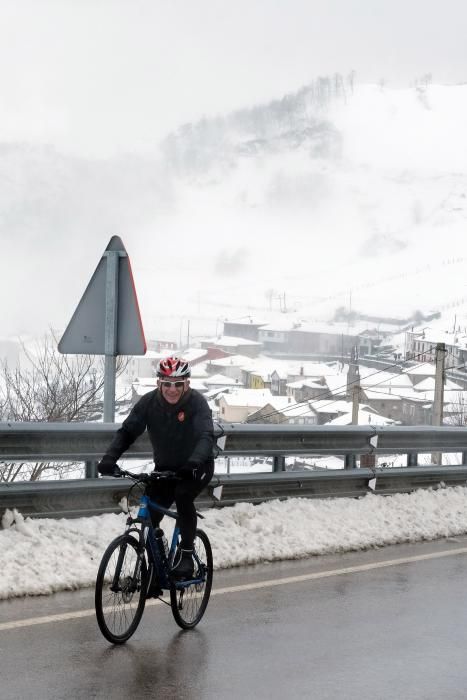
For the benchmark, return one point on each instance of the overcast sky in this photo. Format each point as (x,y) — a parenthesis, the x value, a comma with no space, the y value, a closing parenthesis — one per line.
(99,77)
(103,75)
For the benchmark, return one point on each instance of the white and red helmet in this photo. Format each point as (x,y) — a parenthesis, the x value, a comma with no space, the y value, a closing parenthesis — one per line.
(173,367)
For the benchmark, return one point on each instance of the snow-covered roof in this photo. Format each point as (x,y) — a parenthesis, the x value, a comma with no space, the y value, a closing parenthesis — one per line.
(231,361)
(292,410)
(382,395)
(331,406)
(247,321)
(230,341)
(435,335)
(198,383)
(428,384)
(216,391)
(281,325)
(248,397)
(191,354)
(450,396)
(364,417)
(370,377)
(220,380)
(337,328)
(427,369)
(199,370)
(300,383)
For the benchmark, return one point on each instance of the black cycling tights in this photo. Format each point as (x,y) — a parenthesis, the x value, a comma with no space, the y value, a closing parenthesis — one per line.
(183,493)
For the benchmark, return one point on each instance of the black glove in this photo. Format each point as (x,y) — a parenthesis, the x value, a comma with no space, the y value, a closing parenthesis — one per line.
(188,472)
(108,467)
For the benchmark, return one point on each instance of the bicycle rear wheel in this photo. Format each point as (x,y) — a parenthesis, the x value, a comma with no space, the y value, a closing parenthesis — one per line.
(189,602)
(120,589)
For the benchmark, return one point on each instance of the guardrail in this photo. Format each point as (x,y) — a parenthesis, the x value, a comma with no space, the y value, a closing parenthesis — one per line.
(86,497)
(87,442)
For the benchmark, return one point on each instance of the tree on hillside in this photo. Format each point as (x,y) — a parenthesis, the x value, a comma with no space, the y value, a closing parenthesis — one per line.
(50,387)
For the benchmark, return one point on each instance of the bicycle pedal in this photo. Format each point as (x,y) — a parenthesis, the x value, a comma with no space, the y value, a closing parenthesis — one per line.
(154,592)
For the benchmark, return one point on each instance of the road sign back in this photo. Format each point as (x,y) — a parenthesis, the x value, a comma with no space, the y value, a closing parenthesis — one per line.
(86,332)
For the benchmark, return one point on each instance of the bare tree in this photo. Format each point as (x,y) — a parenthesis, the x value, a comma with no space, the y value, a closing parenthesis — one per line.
(53,388)
(457,412)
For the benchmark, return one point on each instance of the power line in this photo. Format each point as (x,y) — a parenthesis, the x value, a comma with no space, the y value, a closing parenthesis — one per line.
(328,393)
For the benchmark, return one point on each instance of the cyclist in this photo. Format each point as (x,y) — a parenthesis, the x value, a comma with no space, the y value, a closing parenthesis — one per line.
(179,422)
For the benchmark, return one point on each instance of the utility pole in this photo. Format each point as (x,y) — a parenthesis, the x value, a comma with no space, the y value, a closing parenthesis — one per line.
(353,393)
(356,399)
(438,400)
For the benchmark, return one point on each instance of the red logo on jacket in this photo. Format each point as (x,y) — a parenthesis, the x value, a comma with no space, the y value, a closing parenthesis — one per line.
(181,416)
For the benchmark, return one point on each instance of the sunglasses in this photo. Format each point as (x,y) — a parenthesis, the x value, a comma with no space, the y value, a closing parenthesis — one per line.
(177,385)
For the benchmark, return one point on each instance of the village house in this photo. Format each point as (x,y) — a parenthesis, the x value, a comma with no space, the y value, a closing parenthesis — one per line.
(245,327)
(219,381)
(282,409)
(233,346)
(365,416)
(230,366)
(421,345)
(235,407)
(289,335)
(305,389)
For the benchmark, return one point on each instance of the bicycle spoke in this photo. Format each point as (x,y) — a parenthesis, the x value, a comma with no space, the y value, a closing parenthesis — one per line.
(119,611)
(189,602)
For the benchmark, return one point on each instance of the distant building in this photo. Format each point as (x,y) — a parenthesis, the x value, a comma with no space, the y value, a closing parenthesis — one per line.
(235,407)
(230,365)
(161,346)
(291,336)
(244,327)
(283,409)
(233,345)
(421,345)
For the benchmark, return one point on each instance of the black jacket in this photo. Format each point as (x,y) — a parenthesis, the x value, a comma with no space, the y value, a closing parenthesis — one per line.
(179,433)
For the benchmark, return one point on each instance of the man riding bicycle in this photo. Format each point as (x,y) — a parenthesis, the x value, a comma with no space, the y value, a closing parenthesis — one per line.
(179,422)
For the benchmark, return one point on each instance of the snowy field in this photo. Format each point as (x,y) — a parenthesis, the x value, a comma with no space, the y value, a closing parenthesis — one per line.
(46,555)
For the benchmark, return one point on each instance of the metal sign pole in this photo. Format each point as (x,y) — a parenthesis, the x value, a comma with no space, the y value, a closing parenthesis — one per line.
(111,316)
(438,399)
(107,320)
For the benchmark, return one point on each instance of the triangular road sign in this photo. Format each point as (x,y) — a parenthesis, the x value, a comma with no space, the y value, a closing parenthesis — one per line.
(86,332)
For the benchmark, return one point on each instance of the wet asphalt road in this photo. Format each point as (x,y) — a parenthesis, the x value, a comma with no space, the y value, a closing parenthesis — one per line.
(359,625)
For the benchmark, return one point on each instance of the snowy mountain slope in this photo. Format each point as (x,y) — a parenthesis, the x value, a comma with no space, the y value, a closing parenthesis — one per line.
(340,194)
(375,218)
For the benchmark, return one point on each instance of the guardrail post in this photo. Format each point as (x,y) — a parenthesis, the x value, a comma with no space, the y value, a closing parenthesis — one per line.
(350,462)
(412,459)
(278,463)
(90,471)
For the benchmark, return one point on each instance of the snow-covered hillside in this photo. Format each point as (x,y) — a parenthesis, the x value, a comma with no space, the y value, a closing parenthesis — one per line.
(376,217)
(338,195)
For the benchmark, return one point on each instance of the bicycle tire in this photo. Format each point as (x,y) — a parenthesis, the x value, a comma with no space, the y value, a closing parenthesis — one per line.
(119,612)
(189,603)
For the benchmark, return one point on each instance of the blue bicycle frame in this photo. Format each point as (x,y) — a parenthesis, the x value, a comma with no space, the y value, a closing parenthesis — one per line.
(162,566)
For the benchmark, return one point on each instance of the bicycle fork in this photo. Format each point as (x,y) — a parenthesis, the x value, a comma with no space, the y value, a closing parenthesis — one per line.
(130,583)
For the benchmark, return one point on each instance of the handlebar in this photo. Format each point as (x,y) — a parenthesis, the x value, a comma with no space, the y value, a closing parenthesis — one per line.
(146,478)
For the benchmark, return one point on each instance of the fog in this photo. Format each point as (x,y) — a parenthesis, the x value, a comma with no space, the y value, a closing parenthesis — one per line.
(108,76)
(355,197)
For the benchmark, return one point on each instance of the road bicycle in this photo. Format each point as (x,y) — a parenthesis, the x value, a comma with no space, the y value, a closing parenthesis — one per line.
(137,565)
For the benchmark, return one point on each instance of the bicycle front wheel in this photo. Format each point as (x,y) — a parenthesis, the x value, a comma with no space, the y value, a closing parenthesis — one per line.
(121,586)
(189,602)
